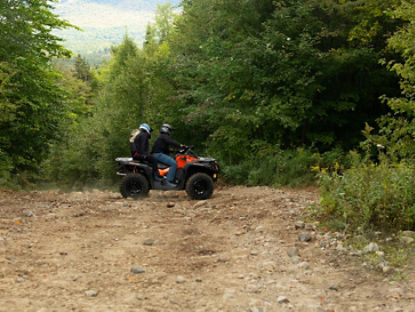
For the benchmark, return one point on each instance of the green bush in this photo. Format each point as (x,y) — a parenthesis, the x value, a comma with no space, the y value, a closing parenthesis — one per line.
(370,196)
(5,167)
(277,167)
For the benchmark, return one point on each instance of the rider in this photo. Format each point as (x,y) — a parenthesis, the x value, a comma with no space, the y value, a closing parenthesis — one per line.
(140,148)
(161,149)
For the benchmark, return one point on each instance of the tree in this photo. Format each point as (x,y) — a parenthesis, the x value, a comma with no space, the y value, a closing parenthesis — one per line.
(31,102)
(82,70)
(397,130)
(164,18)
(250,75)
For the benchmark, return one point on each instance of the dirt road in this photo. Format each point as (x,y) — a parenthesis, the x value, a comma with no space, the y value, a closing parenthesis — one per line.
(238,251)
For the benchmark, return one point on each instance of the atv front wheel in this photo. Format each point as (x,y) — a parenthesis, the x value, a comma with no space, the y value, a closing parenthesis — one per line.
(199,186)
(134,185)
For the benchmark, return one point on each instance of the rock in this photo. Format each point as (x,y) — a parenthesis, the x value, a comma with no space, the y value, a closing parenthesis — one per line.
(340,247)
(295,259)
(334,287)
(324,244)
(356,253)
(20,280)
(380,254)
(328,235)
(304,265)
(170,205)
(304,237)
(407,240)
(229,293)
(309,227)
(137,270)
(180,279)
(200,203)
(293,251)
(299,225)
(259,228)
(28,213)
(91,293)
(282,299)
(253,288)
(395,293)
(148,242)
(339,236)
(371,248)
(385,267)
(408,233)
(267,266)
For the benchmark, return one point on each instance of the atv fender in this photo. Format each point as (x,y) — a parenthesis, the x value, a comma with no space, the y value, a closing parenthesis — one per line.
(192,168)
(132,167)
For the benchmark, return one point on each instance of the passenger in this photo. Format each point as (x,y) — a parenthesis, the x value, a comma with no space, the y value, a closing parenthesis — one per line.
(140,148)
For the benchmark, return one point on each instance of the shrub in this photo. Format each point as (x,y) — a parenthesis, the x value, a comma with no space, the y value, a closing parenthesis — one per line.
(370,196)
(277,167)
(5,168)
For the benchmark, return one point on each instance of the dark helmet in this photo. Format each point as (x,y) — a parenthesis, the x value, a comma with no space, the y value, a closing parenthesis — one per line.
(166,129)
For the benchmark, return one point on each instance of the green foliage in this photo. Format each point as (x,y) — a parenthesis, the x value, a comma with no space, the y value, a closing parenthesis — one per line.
(273,166)
(31,101)
(73,160)
(91,145)
(380,195)
(282,72)
(397,131)
(250,82)
(276,168)
(372,196)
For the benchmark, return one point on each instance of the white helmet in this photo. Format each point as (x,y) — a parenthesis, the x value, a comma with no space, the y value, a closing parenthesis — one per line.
(166,129)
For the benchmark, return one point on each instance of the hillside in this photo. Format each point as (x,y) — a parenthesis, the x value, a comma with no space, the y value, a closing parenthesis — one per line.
(104,23)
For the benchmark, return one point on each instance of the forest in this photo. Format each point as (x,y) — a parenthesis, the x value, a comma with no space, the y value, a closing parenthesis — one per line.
(281,92)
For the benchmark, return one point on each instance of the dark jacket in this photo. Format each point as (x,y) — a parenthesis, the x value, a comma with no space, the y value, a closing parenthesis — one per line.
(141,143)
(162,144)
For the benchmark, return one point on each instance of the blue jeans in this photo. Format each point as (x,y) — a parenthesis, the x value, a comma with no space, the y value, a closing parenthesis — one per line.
(168,161)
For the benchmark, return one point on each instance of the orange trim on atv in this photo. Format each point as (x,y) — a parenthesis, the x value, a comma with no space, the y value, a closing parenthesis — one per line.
(163,172)
(182,160)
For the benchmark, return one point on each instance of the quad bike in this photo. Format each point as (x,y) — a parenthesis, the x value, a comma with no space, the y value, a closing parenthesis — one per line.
(194,174)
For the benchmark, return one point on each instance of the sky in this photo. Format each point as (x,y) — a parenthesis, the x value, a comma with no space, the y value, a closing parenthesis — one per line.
(108,13)
(105,22)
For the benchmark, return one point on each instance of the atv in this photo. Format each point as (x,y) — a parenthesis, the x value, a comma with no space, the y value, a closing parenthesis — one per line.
(194,174)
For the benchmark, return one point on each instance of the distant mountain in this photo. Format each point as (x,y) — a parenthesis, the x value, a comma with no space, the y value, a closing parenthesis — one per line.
(105,23)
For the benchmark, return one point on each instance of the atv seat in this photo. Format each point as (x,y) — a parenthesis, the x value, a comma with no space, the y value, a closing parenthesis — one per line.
(131,161)
(124,160)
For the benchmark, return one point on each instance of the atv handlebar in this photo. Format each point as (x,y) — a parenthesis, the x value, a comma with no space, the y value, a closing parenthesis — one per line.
(185,149)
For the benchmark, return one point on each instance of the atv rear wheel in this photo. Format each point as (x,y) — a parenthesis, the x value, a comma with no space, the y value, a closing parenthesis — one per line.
(199,186)
(134,185)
